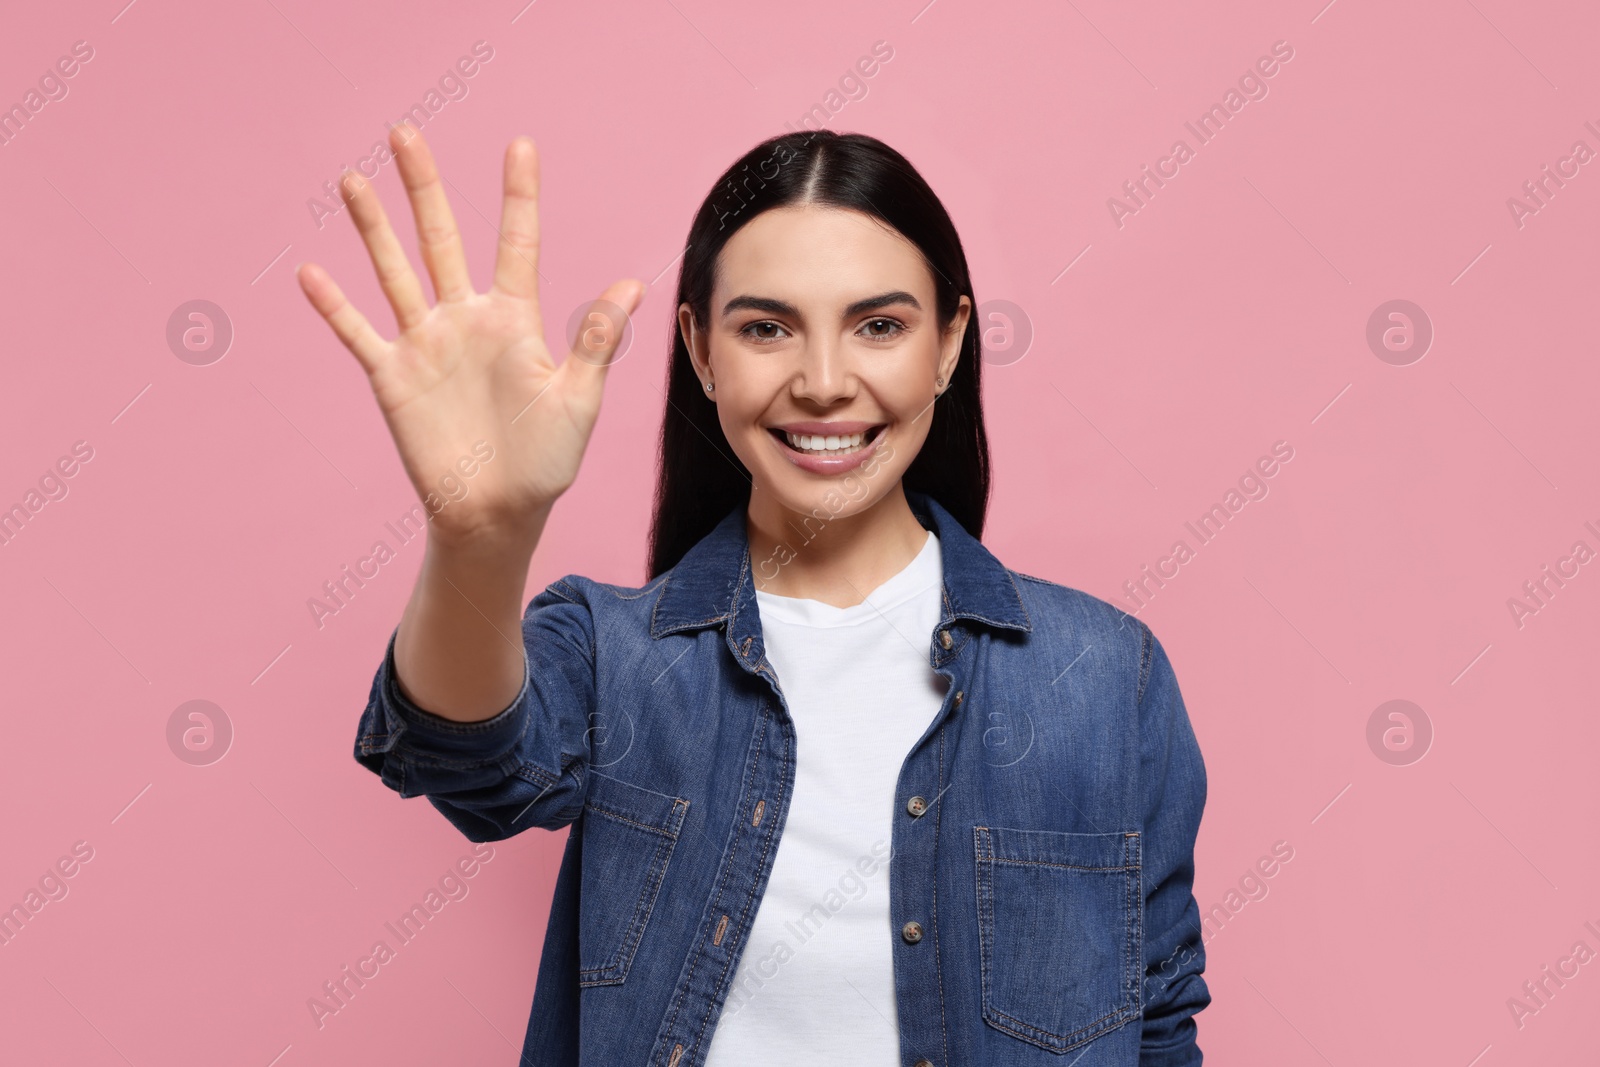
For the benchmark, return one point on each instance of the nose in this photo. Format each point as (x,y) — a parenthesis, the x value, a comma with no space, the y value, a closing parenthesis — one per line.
(824,374)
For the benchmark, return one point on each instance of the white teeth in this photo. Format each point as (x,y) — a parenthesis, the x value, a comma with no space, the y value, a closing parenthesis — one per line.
(823,445)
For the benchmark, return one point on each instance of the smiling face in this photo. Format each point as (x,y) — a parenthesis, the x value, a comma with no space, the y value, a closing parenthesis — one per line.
(824,348)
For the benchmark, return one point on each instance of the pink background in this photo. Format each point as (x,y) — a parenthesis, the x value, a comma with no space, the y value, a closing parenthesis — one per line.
(1230,312)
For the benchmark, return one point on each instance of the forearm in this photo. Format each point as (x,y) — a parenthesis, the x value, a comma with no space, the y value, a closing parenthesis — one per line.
(459,652)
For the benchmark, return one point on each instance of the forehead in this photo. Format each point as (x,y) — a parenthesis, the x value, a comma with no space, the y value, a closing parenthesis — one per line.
(808,252)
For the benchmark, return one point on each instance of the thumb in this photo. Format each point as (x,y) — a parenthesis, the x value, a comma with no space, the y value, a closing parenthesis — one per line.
(603,327)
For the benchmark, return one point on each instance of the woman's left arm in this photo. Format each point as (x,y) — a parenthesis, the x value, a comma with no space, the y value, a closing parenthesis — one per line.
(1174,788)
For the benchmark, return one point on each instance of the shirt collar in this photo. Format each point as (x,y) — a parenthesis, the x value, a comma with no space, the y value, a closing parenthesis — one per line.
(713,582)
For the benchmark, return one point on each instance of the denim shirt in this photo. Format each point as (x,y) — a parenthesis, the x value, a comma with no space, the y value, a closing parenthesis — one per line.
(1041,868)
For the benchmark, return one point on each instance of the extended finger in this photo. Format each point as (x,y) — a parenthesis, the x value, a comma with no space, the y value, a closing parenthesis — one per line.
(437,235)
(598,336)
(398,281)
(516,262)
(348,324)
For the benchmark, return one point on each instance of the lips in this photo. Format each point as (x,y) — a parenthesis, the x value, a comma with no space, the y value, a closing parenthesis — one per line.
(827,438)
(838,426)
(807,445)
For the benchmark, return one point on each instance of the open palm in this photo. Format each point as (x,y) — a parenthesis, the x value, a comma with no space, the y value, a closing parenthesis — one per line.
(474,367)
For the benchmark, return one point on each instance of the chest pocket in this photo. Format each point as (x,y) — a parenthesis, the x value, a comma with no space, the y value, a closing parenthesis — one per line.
(628,837)
(1059,923)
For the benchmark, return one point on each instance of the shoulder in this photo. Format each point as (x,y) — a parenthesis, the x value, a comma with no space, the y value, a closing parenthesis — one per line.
(579,589)
(591,616)
(1054,604)
(1096,627)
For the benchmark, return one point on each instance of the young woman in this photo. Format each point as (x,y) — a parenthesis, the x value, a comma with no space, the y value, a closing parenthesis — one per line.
(840,786)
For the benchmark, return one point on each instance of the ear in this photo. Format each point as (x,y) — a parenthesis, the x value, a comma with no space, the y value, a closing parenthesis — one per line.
(694,339)
(950,343)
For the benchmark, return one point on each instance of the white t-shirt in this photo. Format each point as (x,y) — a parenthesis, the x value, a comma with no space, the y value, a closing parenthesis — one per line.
(815,984)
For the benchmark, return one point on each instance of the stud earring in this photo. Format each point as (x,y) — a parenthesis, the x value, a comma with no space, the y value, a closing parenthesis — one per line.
(938,381)
(709,387)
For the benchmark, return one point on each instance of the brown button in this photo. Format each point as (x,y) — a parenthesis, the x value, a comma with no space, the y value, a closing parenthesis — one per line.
(960,696)
(944,639)
(916,805)
(912,931)
(923,1063)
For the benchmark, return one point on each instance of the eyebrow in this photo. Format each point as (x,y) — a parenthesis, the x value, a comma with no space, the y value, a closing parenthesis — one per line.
(778,307)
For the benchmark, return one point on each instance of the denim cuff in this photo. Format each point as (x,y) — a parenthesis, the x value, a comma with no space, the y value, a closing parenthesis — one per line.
(420,736)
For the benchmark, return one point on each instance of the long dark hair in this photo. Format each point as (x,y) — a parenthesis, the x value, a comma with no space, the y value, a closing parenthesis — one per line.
(699,479)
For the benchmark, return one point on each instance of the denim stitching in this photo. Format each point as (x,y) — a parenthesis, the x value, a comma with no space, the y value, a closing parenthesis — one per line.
(1064,866)
(633,592)
(1136,921)
(655,611)
(405,754)
(1027,620)
(657,632)
(722,886)
(536,774)
(938,966)
(374,742)
(423,758)
(450,726)
(628,938)
(608,813)
(946,617)
(427,720)
(1136,899)
(1068,1042)
(985,922)
(1146,654)
(983,925)
(987,858)
(622,958)
(727,870)
(766,850)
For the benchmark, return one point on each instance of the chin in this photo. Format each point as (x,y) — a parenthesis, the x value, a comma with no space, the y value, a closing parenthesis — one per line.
(831,497)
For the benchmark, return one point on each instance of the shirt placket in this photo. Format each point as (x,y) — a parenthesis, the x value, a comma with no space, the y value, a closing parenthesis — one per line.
(769,772)
(913,874)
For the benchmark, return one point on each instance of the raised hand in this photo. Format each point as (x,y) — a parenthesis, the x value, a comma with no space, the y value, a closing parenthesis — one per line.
(474,367)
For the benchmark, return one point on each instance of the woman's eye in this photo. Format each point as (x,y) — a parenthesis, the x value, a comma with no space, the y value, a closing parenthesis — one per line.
(763,331)
(882,329)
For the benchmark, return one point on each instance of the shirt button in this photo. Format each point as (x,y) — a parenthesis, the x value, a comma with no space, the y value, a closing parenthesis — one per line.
(912,932)
(916,806)
(923,1063)
(944,639)
(960,696)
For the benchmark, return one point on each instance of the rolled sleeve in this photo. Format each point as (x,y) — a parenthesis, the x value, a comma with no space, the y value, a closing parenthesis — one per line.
(406,745)
(1174,797)
(524,767)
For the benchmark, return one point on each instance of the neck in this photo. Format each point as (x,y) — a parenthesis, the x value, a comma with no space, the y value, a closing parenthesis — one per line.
(837,558)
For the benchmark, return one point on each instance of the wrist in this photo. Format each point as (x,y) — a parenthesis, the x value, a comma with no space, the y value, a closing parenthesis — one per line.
(489,540)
